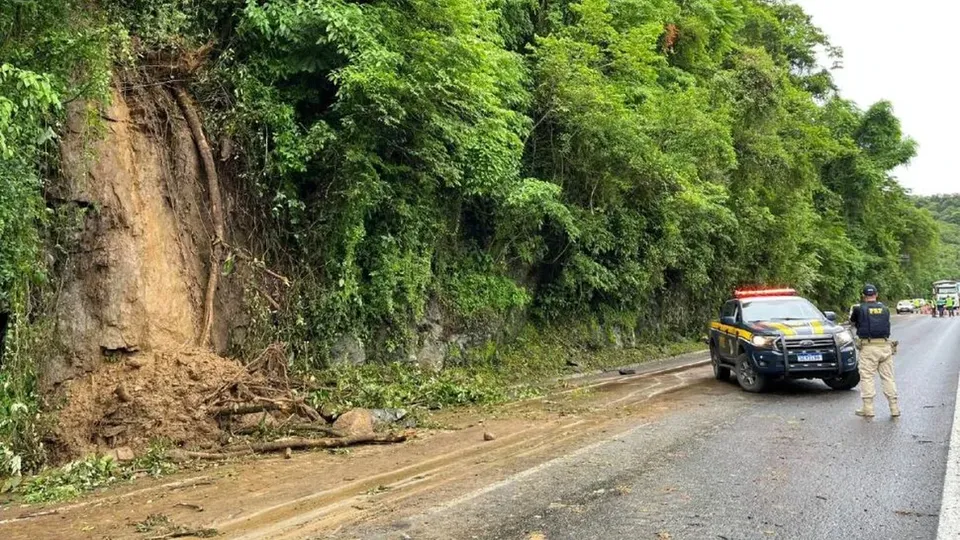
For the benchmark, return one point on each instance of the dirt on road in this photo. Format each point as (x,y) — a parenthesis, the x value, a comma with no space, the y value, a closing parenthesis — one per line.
(323,493)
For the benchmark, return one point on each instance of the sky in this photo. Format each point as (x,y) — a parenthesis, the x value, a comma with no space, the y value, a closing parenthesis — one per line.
(903,52)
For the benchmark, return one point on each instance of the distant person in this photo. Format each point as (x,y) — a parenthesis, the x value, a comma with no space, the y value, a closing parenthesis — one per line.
(872,321)
(941,306)
(950,305)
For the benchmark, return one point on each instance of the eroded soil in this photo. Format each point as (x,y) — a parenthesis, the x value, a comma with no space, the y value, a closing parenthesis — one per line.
(318,494)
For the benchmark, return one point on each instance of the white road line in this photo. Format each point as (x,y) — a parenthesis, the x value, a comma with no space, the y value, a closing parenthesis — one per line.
(949,527)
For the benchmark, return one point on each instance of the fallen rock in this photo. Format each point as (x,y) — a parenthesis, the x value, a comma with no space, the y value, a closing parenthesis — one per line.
(122,454)
(254,420)
(122,394)
(355,422)
(487,436)
(388,416)
(628,372)
(287,454)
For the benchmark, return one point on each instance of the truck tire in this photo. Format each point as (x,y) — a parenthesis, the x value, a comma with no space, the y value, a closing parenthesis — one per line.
(749,379)
(847,381)
(721,372)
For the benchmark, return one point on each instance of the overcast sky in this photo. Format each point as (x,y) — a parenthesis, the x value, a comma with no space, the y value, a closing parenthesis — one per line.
(904,52)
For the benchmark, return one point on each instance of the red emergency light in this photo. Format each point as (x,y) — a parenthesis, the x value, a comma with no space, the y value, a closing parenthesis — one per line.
(753,293)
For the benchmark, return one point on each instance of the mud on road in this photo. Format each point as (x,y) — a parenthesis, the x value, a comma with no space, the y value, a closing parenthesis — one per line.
(321,494)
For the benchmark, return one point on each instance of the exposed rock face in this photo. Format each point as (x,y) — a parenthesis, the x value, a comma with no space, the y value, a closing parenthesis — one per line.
(135,280)
(348,349)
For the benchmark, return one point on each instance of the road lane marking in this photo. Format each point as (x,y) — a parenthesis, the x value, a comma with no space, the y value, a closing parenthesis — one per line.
(949,527)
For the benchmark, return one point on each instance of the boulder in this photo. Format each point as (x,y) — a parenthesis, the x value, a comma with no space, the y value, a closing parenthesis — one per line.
(348,349)
(355,422)
(122,454)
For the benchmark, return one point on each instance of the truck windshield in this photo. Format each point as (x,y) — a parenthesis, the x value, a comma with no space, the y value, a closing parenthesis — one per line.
(780,309)
(947,289)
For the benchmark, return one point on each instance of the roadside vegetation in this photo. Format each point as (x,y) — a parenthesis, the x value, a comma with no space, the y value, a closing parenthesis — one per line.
(590,163)
(946,210)
(527,367)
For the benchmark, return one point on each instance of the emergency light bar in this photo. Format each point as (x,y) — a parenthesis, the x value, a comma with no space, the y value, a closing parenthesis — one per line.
(752,293)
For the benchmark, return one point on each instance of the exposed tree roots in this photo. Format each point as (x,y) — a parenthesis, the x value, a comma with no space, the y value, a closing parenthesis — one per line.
(216,208)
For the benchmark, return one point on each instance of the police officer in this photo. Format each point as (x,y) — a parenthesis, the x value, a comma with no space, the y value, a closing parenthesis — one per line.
(872,320)
(950,306)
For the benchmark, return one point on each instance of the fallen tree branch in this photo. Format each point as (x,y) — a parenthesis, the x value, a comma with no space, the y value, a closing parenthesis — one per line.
(238,409)
(216,207)
(294,427)
(293,444)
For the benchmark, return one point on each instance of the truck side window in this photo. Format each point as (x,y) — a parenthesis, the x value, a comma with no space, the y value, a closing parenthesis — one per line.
(729,309)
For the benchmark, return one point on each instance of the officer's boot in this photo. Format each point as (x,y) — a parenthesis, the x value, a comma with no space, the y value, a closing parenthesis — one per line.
(894,407)
(867,409)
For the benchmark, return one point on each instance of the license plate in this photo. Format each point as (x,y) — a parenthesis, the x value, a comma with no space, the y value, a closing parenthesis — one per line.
(809,358)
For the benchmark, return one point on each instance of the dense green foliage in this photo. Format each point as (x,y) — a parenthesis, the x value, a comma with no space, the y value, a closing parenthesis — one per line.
(946,210)
(609,159)
(575,159)
(52,52)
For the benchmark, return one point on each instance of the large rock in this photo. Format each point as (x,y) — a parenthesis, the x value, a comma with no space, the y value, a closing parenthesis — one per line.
(355,422)
(388,416)
(432,354)
(124,454)
(348,349)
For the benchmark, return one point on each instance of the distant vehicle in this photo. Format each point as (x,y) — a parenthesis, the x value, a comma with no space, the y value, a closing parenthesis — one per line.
(944,289)
(771,334)
(905,306)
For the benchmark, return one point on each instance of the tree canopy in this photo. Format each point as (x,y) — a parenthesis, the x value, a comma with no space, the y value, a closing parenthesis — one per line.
(564,158)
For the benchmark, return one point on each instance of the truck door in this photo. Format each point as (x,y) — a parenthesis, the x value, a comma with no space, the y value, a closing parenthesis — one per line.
(727,340)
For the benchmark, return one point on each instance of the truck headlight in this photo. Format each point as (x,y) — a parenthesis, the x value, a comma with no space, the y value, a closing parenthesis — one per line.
(845,338)
(764,342)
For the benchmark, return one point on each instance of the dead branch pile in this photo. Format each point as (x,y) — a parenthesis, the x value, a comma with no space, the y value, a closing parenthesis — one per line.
(263,399)
(264,389)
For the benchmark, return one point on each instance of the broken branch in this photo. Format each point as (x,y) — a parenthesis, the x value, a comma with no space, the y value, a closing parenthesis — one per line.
(237,409)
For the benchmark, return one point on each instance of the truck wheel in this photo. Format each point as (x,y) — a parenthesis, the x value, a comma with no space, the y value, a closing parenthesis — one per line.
(749,379)
(847,381)
(722,373)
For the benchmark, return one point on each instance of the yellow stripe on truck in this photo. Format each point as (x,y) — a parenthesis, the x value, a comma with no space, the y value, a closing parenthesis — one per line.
(732,330)
(817,327)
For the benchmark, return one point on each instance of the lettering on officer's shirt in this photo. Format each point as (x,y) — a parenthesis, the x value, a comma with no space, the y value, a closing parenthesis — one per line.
(876,311)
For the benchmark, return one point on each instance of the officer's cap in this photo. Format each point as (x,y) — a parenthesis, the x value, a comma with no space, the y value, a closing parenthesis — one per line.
(869,290)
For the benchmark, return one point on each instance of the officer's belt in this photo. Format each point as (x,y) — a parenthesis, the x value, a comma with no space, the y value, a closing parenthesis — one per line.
(875,340)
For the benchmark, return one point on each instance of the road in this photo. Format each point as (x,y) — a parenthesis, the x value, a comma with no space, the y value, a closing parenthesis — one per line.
(793,463)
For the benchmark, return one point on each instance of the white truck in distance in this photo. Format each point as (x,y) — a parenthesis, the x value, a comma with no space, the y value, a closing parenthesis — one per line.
(945,289)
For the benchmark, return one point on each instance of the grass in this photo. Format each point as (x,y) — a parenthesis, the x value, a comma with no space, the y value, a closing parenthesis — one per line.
(88,474)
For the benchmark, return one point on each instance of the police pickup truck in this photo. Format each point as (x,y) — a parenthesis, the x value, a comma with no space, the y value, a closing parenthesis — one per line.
(773,334)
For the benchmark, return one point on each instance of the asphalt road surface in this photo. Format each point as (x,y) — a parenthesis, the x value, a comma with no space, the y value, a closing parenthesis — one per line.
(793,463)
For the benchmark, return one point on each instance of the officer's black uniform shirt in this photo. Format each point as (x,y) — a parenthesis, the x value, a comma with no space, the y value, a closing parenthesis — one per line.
(872,320)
